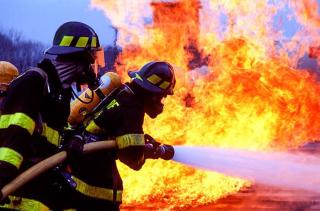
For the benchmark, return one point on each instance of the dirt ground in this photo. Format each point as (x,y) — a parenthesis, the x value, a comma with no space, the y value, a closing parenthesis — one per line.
(256,198)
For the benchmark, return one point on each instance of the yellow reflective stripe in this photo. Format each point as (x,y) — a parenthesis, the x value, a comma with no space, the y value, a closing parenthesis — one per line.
(11,156)
(164,85)
(52,135)
(154,79)
(130,140)
(82,42)
(24,204)
(19,119)
(94,42)
(93,128)
(113,104)
(96,192)
(66,41)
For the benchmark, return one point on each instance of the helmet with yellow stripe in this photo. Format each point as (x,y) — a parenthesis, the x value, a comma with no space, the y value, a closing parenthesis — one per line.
(156,77)
(75,37)
(76,41)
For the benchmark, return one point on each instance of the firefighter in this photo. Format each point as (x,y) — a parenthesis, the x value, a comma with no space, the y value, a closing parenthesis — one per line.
(95,178)
(8,72)
(36,109)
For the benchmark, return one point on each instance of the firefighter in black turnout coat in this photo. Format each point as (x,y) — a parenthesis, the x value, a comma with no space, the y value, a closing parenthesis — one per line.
(98,185)
(36,109)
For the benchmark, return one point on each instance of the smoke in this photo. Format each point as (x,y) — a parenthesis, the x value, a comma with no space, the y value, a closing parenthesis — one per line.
(280,169)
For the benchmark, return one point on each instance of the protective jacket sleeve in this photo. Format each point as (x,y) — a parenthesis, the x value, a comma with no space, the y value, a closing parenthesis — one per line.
(18,119)
(130,140)
(122,119)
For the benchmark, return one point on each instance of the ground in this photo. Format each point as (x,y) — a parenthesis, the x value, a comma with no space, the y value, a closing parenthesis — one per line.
(257,197)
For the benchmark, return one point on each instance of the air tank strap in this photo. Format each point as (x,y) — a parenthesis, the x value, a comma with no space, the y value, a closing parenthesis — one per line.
(100,94)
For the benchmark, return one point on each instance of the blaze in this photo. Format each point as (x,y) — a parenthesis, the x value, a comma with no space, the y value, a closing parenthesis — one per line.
(238,85)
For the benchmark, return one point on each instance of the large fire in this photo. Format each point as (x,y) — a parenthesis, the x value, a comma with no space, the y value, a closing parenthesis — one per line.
(237,85)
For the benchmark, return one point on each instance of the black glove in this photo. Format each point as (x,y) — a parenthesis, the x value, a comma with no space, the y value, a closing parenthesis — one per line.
(150,148)
(7,173)
(155,150)
(5,200)
(74,146)
(62,181)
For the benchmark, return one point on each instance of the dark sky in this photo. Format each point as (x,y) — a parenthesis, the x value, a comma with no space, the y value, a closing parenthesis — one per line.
(38,19)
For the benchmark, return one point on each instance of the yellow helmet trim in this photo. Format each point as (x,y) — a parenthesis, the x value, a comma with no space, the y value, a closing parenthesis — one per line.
(66,40)
(94,42)
(154,79)
(164,85)
(82,42)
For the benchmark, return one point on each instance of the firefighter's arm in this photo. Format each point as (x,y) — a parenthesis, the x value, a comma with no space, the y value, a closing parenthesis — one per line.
(130,145)
(18,120)
(123,122)
(130,137)
(130,150)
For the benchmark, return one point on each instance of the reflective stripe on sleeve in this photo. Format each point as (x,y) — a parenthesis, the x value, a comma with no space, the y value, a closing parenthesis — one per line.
(130,140)
(19,119)
(51,135)
(96,192)
(11,156)
(93,128)
(24,204)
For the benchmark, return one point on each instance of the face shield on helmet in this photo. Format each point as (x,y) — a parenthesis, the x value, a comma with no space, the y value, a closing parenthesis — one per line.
(97,61)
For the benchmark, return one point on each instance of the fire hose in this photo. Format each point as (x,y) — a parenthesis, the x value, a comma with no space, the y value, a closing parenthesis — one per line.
(49,163)
(153,150)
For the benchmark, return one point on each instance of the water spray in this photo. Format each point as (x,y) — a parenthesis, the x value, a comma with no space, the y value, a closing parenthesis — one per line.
(280,169)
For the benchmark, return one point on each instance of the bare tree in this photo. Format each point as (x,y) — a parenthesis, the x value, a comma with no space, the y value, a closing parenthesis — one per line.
(19,51)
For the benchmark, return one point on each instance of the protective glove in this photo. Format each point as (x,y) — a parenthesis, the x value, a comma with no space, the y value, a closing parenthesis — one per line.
(74,146)
(62,181)
(155,150)
(150,148)
(5,200)
(7,173)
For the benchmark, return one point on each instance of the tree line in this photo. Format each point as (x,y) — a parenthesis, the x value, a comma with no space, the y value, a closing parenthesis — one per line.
(25,53)
(19,51)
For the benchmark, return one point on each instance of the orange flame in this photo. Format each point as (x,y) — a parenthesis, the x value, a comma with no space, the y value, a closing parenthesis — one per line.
(235,87)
